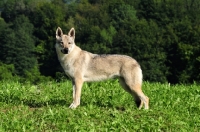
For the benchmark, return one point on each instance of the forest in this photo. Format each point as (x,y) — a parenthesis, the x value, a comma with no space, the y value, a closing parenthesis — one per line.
(162,35)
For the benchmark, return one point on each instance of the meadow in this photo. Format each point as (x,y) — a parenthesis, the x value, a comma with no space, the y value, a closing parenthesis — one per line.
(105,107)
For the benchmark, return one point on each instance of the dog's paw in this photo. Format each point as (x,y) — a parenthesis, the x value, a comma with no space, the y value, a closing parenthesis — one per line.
(73,106)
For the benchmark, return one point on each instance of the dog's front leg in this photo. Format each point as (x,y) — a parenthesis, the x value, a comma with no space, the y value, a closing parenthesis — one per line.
(77,86)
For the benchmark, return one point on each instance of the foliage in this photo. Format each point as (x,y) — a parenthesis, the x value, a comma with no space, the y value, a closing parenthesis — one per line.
(34,76)
(18,45)
(162,35)
(46,18)
(149,37)
(6,71)
(104,107)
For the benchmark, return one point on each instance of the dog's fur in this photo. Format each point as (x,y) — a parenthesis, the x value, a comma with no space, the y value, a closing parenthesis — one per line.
(83,66)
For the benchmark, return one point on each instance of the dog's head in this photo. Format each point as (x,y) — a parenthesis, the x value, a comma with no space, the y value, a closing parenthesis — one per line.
(65,42)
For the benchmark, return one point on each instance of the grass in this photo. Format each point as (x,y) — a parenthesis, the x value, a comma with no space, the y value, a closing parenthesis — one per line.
(104,107)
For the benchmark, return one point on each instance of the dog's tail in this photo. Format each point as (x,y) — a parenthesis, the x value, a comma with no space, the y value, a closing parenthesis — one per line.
(136,88)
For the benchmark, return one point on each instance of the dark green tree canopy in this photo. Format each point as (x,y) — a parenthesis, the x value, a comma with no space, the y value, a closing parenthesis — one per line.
(162,35)
(18,45)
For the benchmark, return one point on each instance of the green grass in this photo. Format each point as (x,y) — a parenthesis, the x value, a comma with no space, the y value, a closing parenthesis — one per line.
(104,107)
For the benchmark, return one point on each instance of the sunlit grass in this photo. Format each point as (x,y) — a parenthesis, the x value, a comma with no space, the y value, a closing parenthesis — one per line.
(104,107)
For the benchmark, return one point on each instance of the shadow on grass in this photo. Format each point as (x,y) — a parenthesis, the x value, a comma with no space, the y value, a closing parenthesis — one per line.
(52,102)
(103,105)
(36,103)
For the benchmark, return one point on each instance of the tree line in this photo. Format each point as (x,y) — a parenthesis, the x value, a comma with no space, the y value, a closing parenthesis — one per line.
(162,35)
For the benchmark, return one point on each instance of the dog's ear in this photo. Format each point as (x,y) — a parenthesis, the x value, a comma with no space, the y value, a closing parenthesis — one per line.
(59,32)
(72,33)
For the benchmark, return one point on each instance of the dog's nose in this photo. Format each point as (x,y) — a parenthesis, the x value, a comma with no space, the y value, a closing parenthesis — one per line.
(65,50)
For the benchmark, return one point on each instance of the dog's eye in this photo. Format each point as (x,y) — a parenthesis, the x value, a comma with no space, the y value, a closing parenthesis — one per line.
(69,42)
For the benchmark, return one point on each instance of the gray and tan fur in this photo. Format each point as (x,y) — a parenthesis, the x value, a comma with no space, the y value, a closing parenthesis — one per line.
(82,66)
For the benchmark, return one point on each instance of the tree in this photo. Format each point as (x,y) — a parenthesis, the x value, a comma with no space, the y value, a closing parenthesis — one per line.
(18,45)
(6,71)
(121,13)
(183,53)
(148,49)
(46,18)
(146,9)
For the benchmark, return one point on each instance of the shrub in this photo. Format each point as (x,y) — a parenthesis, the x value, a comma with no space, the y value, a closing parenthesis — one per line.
(6,71)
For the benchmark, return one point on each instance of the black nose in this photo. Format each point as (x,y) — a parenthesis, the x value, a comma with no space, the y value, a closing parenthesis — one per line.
(65,50)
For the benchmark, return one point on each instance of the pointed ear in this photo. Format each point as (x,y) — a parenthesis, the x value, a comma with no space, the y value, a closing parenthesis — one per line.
(72,33)
(59,32)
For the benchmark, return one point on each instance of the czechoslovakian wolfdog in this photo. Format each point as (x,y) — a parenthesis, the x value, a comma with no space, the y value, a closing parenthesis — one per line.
(82,66)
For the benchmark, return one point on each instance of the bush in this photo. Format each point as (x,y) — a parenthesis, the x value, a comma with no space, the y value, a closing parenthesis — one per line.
(34,76)
(60,76)
(6,71)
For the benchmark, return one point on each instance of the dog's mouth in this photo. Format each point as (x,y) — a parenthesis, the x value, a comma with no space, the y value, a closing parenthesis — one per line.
(65,50)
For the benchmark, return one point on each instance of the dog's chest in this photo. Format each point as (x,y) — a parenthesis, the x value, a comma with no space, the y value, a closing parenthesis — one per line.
(67,66)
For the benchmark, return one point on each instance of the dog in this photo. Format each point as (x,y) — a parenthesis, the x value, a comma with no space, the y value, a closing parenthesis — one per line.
(82,66)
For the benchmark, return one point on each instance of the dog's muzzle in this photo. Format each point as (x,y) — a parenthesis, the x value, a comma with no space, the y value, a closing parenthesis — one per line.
(65,50)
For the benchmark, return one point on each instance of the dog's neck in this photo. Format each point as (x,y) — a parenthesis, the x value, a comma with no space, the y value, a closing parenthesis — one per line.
(75,51)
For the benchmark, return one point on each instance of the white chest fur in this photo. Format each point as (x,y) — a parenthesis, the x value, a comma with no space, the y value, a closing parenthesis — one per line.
(67,66)
(66,63)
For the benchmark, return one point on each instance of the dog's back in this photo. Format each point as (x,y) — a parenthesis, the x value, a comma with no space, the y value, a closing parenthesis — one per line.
(101,67)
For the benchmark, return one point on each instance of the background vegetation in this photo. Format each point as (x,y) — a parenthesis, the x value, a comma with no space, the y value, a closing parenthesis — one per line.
(163,35)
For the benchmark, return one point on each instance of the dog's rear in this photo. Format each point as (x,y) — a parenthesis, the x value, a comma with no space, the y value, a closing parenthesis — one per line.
(131,81)
(84,66)
(101,67)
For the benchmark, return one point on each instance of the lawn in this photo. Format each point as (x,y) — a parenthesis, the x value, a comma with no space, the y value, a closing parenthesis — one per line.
(105,106)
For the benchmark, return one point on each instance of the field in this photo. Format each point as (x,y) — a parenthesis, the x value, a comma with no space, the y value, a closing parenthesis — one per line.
(104,107)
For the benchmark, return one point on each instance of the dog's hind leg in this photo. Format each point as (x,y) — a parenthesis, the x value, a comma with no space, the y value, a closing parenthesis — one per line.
(137,92)
(138,101)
